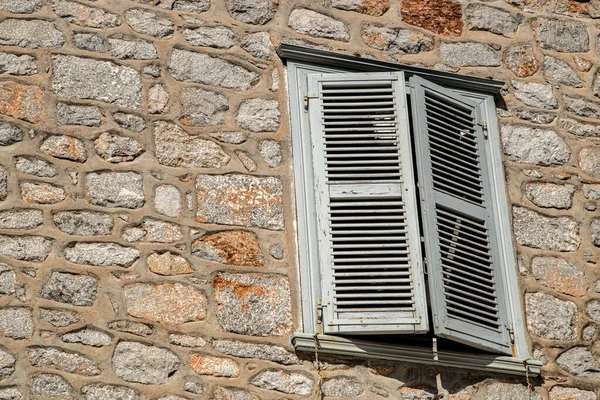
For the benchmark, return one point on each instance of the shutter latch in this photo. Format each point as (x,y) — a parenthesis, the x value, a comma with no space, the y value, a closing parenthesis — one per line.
(320,315)
(511,332)
(305,103)
(484,128)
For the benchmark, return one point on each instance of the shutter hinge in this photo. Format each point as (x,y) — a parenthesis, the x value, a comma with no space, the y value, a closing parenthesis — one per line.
(484,128)
(305,100)
(319,316)
(511,332)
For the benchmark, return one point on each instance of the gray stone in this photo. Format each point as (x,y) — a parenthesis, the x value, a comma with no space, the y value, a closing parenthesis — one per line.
(524,144)
(25,248)
(193,386)
(192,6)
(3,186)
(10,393)
(582,106)
(579,128)
(262,308)
(9,134)
(548,195)
(229,137)
(64,147)
(132,327)
(342,386)
(152,70)
(21,219)
(7,280)
(153,230)
(588,333)
(259,115)
(557,274)
(567,393)
(51,387)
(89,42)
(69,114)
(535,94)
(31,34)
(74,289)
(591,191)
(481,17)
(219,36)
(84,78)
(132,49)
(83,223)
(7,364)
(252,11)
(537,117)
(548,233)
(188,66)
(589,161)
(258,44)
(246,160)
(276,251)
(308,22)
(115,189)
(256,350)
(396,40)
(219,200)
(579,361)
(101,254)
(186,340)
(158,99)
(469,54)
(284,382)
(88,337)
(130,121)
(149,23)
(83,15)
(61,360)
(137,362)
(14,64)
(595,230)
(20,6)
(174,147)
(231,393)
(16,323)
(549,317)
(202,107)
(508,391)
(167,200)
(560,35)
(116,148)
(558,71)
(59,317)
(270,151)
(104,391)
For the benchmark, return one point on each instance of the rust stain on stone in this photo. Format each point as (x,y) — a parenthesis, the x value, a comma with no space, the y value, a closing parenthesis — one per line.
(521,61)
(375,39)
(374,7)
(22,101)
(238,288)
(214,366)
(440,16)
(231,247)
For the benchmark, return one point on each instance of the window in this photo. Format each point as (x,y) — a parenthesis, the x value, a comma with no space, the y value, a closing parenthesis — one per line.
(402,212)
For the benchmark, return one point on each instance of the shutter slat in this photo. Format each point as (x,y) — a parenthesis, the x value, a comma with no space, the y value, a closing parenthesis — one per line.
(456,108)
(449,117)
(446,127)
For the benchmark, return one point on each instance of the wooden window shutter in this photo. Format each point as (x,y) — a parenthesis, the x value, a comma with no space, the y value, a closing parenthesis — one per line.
(370,259)
(465,280)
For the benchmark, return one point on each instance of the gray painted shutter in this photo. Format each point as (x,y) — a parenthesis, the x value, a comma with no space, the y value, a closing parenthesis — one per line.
(465,280)
(369,249)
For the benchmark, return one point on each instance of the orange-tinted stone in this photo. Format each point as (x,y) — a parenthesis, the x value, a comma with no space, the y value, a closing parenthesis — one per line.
(439,16)
(229,247)
(169,264)
(215,366)
(24,102)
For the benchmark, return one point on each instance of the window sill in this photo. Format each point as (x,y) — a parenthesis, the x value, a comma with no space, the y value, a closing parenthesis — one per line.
(358,348)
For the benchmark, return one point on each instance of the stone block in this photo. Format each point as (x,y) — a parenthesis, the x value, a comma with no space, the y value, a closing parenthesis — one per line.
(469,54)
(549,317)
(312,23)
(229,247)
(481,17)
(169,264)
(30,33)
(375,8)
(84,15)
(203,364)
(448,20)
(219,37)
(116,148)
(21,219)
(153,230)
(396,40)
(24,102)
(550,195)
(528,145)
(14,64)
(61,360)
(88,337)
(50,387)
(124,49)
(202,107)
(560,275)
(16,323)
(542,232)
(521,60)
(284,381)
(102,254)
(560,35)
(149,23)
(25,248)
(260,351)
(71,288)
(115,189)
(256,12)
(141,363)
(104,391)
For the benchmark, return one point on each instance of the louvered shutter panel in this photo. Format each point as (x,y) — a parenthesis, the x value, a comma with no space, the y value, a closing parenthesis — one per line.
(370,262)
(465,280)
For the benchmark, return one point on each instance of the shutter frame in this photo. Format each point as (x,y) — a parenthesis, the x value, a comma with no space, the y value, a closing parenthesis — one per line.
(334,320)
(464,215)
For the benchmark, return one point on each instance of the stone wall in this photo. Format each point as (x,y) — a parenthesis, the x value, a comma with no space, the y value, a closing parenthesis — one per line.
(147,244)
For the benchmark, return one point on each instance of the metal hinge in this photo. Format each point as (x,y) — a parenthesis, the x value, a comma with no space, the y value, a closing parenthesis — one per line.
(305,100)
(484,128)
(320,316)
(511,332)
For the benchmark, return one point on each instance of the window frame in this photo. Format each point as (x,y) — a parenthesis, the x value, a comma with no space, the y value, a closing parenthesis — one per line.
(303,61)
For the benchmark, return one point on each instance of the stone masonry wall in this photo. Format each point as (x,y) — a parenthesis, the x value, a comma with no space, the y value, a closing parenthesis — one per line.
(147,245)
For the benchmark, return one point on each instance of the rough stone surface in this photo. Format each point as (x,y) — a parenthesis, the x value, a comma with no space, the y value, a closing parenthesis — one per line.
(256,350)
(153,230)
(582,106)
(149,23)
(591,192)
(101,254)
(548,195)
(132,49)
(560,35)
(83,223)
(26,102)
(579,128)
(64,147)
(31,34)
(579,361)
(469,54)
(89,42)
(129,121)
(284,382)
(176,148)
(7,280)
(218,36)
(589,161)
(202,107)
(229,247)
(135,328)
(85,78)
(534,146)
(592,309)
(186,340)
(192,6)
(259,115)
(9,134)
(80,14)
(21,7)
(240,200)
(58,359)
(16,323)
(440,16)
(25,248)
(481,17)
(535,230)
(373,7)
(558,71)
(312,23)
(535,95)
(229,137)
(397,41)
(3,184)
(167,200)
(203,364)
(116,148)
(252,11)
(258,44)
(188,66)
(14,64)
(59,317)
(10,393)
(35,166)
(560,275)
(7,364)
(253,304)
(341,386)
(21,219)
(74,289)
(535,116)
(549,317)
(567,393)
(231,393)
(168,303)
(508,391)
(69,114)
(88,337)
(169,264)
(115,189)
(137,362)
(521,60)
(103,391)
(270,151)
(595,230)
(50,387)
